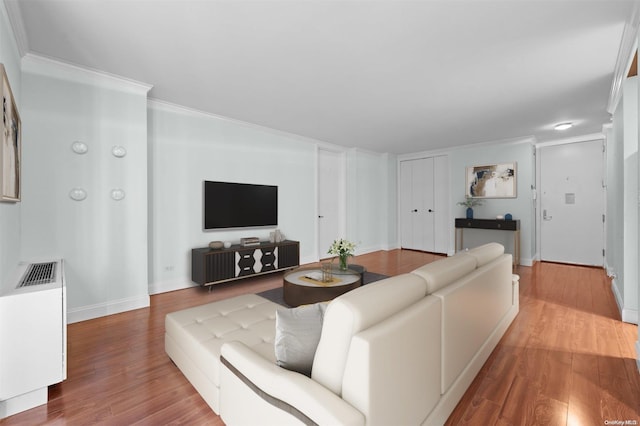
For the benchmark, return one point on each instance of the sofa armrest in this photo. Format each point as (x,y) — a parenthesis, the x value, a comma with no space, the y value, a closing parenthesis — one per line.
(280,389)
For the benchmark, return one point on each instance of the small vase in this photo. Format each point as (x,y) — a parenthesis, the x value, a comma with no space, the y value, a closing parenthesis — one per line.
(343,262)
(469,213)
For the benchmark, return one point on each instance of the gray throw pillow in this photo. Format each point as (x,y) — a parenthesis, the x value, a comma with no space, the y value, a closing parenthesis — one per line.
(297,336)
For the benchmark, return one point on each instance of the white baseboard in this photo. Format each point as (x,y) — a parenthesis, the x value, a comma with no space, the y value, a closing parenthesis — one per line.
(616,295)
(626,314)
(23,402)
(367,250)
(107,308)
(630,316)
(307,260)
(527,262)
(171,285)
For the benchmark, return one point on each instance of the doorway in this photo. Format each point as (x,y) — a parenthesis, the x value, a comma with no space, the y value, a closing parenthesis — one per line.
(572,203)
(331,199)
(423,209)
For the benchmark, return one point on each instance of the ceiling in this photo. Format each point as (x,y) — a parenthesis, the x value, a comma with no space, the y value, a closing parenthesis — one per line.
(388,76)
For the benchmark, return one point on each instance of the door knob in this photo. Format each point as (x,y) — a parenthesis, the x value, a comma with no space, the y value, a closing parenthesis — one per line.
(414,211)
(320,217)
(545,216)
(430,211)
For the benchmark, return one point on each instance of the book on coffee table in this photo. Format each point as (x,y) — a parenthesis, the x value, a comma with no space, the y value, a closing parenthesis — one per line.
(316,276)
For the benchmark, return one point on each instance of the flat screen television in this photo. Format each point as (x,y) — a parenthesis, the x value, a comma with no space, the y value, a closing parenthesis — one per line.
(239,205)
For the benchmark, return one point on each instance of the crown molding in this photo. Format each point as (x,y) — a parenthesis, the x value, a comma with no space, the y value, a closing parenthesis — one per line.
(529,140)
(14,13)
(180,109)
(41,65)
(575,139)
(628,45)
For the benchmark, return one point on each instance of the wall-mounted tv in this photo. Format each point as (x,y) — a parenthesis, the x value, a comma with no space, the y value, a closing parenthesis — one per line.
(239,205)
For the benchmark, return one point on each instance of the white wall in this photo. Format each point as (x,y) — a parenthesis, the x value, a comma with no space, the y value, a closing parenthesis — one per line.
(622,202)
(630,167)
(372,201)
(103,242)
(521,208)
(9,212)
(614,251)
(187,147)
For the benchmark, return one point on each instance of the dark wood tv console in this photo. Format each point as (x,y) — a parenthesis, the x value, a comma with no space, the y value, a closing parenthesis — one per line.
(211,266)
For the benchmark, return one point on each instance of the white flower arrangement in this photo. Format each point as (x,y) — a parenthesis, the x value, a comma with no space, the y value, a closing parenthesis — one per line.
(342,248)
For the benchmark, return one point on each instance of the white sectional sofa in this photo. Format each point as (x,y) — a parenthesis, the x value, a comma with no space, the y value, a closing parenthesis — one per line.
(399,351)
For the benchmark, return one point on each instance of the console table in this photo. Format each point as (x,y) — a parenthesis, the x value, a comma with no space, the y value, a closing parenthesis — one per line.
(214,266)
(490,224)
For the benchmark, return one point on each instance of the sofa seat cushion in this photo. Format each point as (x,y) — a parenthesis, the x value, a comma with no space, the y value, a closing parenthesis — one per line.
(202,330)
(441,273)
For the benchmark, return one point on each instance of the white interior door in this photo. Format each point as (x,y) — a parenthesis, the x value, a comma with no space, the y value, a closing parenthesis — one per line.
(417,231)
(572,203)
(330,199)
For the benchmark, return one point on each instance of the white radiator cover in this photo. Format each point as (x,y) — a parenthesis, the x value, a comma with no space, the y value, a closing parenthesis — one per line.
(33,342)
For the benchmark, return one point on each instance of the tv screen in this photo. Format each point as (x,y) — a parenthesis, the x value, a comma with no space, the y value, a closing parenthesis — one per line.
(239,205)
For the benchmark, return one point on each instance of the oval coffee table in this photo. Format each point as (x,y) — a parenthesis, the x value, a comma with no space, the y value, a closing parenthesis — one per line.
(300,289)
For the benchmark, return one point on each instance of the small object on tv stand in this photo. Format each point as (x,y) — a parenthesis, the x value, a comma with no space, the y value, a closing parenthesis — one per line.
(216,245)
(250,241)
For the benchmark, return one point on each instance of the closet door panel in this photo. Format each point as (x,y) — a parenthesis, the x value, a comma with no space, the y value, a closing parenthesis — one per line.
(425,188)
(407,208)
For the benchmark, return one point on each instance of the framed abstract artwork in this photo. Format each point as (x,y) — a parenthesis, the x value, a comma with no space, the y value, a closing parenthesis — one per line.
(492,181)
(10,143)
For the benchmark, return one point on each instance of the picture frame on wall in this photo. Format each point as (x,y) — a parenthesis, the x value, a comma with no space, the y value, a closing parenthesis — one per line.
(10,143)
(492,181)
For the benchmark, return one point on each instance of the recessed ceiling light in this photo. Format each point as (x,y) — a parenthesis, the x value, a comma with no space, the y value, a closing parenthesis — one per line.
(563,126)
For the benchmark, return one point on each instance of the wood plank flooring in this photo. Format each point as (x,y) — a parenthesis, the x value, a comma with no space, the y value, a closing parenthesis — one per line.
(567,359)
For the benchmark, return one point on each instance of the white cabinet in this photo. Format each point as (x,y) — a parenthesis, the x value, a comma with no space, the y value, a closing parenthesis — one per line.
(33,342)
(424,209)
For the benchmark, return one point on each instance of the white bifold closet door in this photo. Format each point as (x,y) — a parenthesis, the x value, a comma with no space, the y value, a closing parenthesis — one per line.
(423,204)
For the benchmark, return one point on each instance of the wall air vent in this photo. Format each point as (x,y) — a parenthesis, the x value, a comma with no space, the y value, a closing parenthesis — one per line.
(39,273)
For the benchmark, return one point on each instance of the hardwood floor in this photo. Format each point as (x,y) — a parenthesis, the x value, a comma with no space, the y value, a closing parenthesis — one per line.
(567,359)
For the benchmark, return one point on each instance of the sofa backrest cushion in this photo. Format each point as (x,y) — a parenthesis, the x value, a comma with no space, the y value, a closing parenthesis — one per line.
(472,308)
(443,272)
(353,312)
(392,375)
(486,253)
